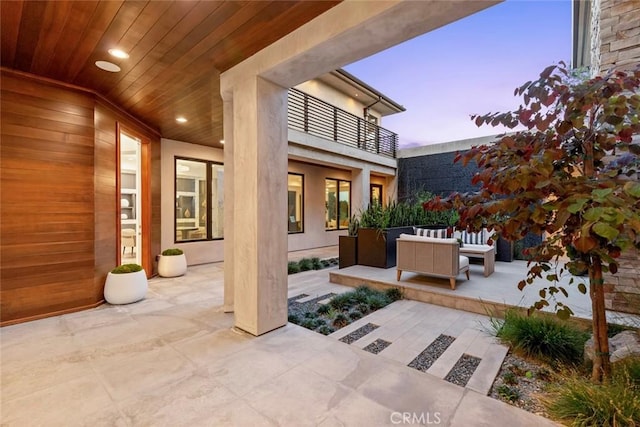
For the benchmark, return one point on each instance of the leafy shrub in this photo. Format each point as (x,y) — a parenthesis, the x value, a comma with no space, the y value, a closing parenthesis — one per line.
(581,402)
(126,268)
(361,294)
(316,264)
(305,264)
(323,309)
(342,301)
(542,337)
(394,294)
(293,267)
(310,315)
(355,315)
(363,308)
(377,301)
(510,378)
(401,214)
(340,321)
(325,330)
(172,252)
(293,319)
(309,323)
(320,323)
(508,393)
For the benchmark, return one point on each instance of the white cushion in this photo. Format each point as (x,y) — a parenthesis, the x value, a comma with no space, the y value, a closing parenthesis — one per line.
(478,249)
(464,262)
(415,238)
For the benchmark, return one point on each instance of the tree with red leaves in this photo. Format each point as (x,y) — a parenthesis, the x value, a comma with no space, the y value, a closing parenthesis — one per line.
(571,176)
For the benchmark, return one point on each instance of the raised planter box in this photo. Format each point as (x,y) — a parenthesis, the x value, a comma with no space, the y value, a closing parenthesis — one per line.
(377,248)
(504,250)
(348,251)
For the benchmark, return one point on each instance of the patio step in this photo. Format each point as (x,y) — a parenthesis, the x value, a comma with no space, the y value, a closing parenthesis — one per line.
(412,332)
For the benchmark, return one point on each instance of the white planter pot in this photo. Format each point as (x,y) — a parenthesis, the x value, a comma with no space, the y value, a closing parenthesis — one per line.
(125,288)
(172,265)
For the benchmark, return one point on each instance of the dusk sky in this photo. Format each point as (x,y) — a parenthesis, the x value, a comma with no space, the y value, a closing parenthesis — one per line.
(468,67)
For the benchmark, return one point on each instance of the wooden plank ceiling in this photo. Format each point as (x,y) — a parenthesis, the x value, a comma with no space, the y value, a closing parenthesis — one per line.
(177,51)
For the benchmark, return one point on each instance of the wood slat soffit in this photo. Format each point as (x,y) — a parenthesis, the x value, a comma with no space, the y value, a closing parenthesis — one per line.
(177,50)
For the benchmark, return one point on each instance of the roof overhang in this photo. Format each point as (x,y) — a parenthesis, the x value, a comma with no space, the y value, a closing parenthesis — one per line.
(353,87)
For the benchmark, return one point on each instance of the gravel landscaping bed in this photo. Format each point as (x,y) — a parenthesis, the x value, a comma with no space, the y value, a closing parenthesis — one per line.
(425,359)
(519,382)
(359,333)
(463,370)
(377,346)
(300,308)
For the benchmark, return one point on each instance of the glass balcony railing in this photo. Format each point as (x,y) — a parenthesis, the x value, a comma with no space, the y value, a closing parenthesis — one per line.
(313,116)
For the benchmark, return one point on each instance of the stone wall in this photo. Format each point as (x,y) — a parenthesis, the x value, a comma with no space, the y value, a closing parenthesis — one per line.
(615,43)
(615,35)
(622,290)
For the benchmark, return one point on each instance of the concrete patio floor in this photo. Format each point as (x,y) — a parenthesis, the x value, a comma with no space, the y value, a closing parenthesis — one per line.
(174,359)
(479,294)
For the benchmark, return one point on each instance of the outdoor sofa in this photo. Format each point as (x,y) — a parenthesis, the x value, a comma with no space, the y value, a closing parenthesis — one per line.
(472,245)
(431,257)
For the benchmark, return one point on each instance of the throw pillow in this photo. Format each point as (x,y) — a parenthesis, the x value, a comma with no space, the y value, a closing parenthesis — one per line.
(473,238)
(440,233)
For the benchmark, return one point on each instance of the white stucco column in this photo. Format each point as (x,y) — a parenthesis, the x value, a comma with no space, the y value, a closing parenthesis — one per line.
(229,203)
(391,188)
(256,154)
(258,268)
(360,189)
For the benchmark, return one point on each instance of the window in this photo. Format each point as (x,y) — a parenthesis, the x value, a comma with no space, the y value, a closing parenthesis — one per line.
(338,204)
(295,196)
(199,184)
(376,194)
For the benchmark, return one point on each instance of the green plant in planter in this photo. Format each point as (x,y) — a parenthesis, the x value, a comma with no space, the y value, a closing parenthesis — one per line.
(354,225)
(126,268)
(172,252)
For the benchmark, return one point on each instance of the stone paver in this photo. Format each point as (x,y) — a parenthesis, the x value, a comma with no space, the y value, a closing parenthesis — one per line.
(174,359)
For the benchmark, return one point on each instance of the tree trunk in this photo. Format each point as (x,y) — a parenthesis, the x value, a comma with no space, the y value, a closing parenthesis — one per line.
(601,363)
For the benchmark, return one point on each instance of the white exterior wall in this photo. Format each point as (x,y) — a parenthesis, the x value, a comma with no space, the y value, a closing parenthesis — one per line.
(315,234)
(334,97)
(196,252)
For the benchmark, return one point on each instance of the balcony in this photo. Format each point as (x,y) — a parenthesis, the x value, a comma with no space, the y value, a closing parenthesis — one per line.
(316,117)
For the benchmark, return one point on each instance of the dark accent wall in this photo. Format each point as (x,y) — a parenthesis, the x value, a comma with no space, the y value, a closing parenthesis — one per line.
(57,197)
(435,173)
(438,174)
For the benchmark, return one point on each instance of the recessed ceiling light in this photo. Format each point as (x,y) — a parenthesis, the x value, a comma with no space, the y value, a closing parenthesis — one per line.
(222,141)
(108,66)
(118,53)
(356,94)
(181,120)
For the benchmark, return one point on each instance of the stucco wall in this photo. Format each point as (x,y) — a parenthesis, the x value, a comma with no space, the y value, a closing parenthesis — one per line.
(196,252)
(334,97)
(314,235)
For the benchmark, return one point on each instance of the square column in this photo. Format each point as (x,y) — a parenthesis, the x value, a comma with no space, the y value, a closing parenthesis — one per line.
(360,189)
(259,208)
(229,210)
